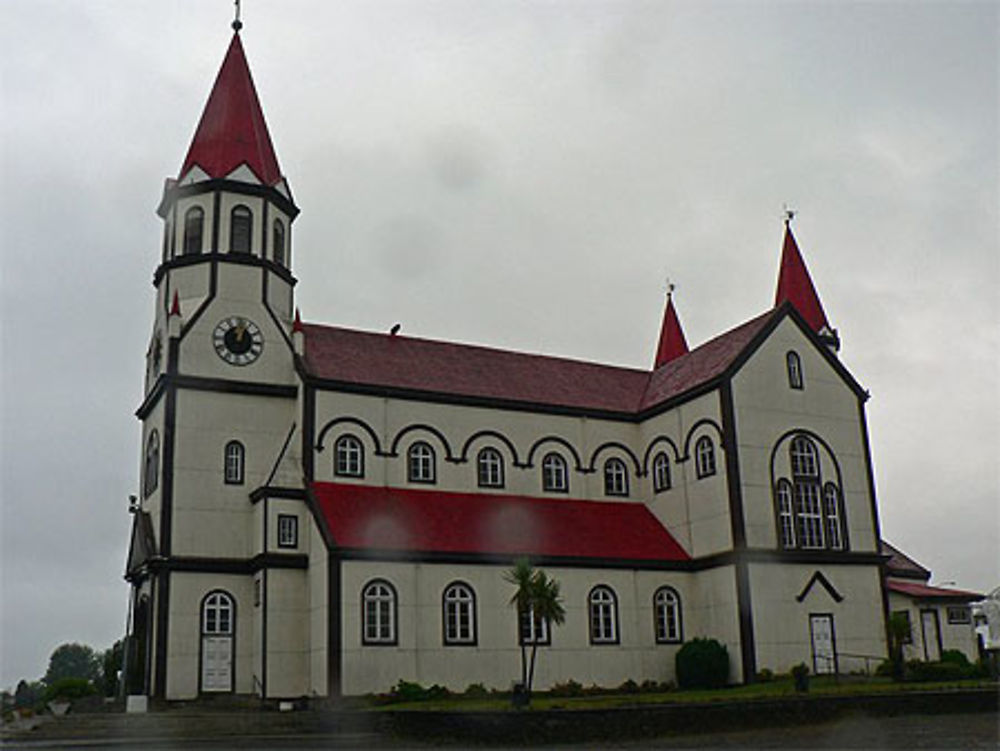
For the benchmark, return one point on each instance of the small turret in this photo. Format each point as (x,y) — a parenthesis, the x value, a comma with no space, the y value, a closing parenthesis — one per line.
(795,286)
(672,342)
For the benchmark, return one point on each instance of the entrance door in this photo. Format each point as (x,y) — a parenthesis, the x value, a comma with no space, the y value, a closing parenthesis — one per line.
(823,646)
(218,616)
(931,634)
(216,663)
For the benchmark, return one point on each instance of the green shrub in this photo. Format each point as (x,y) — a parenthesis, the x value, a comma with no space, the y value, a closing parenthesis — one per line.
(766,675)
(569,688)
(702,663)
(935,671)
(955,657)
(884,669)
(629,687)
(407,691)
(68,689)
(476,691)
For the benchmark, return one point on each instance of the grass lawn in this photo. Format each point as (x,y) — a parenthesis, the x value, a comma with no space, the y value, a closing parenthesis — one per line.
(778,688)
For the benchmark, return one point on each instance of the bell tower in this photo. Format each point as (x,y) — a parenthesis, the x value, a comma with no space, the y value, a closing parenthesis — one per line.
(219,403)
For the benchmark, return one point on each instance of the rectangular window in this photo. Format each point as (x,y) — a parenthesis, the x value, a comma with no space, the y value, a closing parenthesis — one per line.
(905,614)
(288,531)
(807,506)
(959,614)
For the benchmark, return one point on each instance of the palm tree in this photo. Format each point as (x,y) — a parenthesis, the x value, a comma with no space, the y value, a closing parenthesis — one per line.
(537,597)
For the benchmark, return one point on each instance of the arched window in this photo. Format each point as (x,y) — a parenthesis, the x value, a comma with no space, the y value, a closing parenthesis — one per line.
(217,615)
(233,463)
(151,468)
(278,242)
(240,230)
(490,468)
(459,603)
(805,461)
(194,225)
(615,477)
(603,615)
(704,457)
(661,472)
(532,629)
(378,625)
(554,475)
(806,493)
(786,517)
(420,462)
(831,514)
(348,457)
(794,364)
(667,615)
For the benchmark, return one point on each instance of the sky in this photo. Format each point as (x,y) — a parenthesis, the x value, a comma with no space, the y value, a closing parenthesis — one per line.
(524,175)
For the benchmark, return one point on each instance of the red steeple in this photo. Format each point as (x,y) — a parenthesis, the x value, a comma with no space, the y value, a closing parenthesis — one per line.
(232,130)
(672,342)
(795,286)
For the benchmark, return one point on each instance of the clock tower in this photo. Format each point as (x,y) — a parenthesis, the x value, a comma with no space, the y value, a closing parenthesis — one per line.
(219,404)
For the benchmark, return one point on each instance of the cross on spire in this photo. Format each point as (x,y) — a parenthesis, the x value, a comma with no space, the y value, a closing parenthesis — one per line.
(237,23)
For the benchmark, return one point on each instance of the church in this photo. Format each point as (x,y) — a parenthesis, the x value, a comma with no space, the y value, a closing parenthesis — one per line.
(324,511)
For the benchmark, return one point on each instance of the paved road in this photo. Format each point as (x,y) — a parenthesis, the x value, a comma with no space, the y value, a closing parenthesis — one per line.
(859,731)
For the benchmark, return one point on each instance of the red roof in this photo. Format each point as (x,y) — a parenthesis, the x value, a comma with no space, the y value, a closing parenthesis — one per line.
(363,517)
(795,285)
(423,365)
(672,342)
(900,564)
(232,130)
(925,592)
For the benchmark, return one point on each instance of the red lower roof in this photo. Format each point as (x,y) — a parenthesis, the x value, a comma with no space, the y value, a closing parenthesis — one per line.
(364,517)
(926,592)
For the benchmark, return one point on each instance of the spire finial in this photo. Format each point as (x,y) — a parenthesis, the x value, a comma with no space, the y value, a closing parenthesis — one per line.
(670,287)
(789,214)
(237,23)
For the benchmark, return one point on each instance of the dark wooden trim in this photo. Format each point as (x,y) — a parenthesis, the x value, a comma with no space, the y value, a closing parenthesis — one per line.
(162,620)
(263,606)
(424,427)
(649,450)
(618,445)
(308,427)
(277,491)
(488,433)
(227,386)
(335,626)
(152,398)
(748,649)
(172,193)
(238,259)
(818,577)
(237,566)
(350,421)
(528,462)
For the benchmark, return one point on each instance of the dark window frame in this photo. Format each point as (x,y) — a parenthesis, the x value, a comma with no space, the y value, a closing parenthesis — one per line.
(234,465)
(422,468)
(240,224)
(459,607)
(704,458)
(661,472)
(554,466)
(793,365)
(292,522)
(392,613)
(596,616)
(342,458)
(489,468)
(616,477)
(194,231)
(151,464)
(663,609)
(278,242)
(526,622)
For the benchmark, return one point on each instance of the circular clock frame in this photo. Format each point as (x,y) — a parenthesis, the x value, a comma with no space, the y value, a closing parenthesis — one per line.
(238,340)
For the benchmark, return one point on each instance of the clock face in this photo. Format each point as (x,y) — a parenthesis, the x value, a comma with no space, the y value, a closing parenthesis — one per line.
(238,340)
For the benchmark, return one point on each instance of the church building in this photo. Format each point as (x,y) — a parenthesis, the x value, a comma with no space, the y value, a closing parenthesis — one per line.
(325,511)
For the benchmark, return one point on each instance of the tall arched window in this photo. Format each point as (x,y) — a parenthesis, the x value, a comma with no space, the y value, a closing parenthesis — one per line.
(554,474)
(786,516)
(240,230)
(794,365)
(667,615)
(831,515)
(420,462)
(704,457)
(194,225)
(806,492)
(378,600)
(348,457)
(278,242)
(459,605)
(151,466)
(661,472)
(615,477)
(218,626)
(603,615)
(489,465)
(233,463)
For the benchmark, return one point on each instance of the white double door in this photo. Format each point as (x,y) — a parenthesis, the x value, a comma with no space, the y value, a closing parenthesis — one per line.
(823,645)
(217,663)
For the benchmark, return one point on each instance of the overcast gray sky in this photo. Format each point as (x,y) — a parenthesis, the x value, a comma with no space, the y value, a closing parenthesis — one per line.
(518,174)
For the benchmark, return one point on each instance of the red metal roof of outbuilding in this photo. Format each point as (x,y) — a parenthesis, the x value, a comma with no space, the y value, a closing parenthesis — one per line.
(364,517)
(926,592)
(232,130)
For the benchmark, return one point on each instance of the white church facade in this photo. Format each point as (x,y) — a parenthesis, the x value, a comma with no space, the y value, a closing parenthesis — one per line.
(326,511)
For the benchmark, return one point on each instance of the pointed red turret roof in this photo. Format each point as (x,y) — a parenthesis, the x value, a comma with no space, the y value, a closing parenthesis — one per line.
(672,342)
(795,286)
(297,323)
(232,130)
